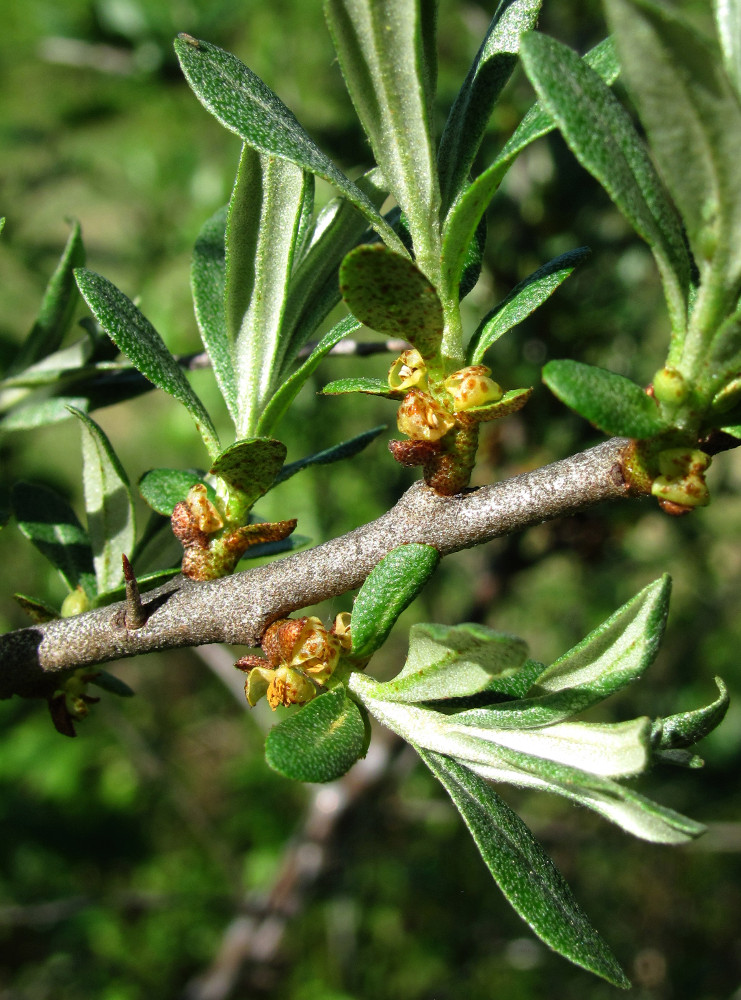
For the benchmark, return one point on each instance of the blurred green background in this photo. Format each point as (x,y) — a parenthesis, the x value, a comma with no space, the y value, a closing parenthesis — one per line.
(128,852)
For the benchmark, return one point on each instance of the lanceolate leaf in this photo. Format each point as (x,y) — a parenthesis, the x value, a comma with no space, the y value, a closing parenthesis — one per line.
(602,137)
(728,19)
(320,742)
(692,116)
(687,728)
(109,504)
(526,875)
(467,211)
(390,294)
(57,306)
(284,396)
(338,452)
(47,520)
(472,108)
(244,104)
(381,47)
(390,587)
(261,235)
(314,288)
(611,402)
(525,298)
(373,386)
(133,334)
(208,283)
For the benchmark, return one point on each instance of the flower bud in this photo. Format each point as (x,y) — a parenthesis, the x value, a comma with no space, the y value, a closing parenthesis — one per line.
(75,603)
(289,687)
(408,371)
(682,478)
(316,651)
(471,387)
(422,419)
(670,386)
(341,629)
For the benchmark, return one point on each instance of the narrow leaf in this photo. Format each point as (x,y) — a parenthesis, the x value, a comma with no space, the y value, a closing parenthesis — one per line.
(687,728)
(262,230)
(133,334)
(338,452)
(390,587)
(208,283)
(728,21)
(467,211)
(285,395)
(524,299)
(48,521)
(57,306)
(692,116)
(112,684)
(381,49)
(37,610)
(526,875)
(244,104)
(471,110)
(111,524)
(320,742)
(390,294)
(611,402)
(372,386)
(314,288)
(604,140)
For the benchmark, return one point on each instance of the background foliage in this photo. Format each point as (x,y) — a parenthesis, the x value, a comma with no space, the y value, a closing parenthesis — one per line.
(128,850)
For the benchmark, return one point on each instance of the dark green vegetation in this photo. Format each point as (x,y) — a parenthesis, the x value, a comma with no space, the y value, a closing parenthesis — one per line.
(146,833)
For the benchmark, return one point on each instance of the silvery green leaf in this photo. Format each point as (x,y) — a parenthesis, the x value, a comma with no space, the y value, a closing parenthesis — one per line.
(133,334)
(381,46)
(249,468)
(525,874)
(471,110)
(57,306)
(208,283)
(728,21)
(602,137)
(525,298)
(244,104)
(692,116)
(314,288)
(629,810)
(265,212)
(337,453)
(389,588)
(361,383)
(465,214)
(111,524)
(48,521)
(687,728)
(456,662)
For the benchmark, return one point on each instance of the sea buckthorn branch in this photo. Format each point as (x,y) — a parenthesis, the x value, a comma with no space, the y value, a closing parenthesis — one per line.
(237,609)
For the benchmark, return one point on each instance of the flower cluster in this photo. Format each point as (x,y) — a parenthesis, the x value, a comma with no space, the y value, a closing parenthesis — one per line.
(440,415)
(300,657)
(681,485)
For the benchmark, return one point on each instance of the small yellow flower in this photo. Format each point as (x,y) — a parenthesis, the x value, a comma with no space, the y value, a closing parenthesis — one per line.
(422,419)
(408,371)
(341,629)
(289,687)
(471,387)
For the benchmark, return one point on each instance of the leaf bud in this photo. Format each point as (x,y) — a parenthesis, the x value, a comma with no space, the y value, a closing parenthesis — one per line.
(669,386)
(422,419)
(75,603)
(408,371)
(471,387)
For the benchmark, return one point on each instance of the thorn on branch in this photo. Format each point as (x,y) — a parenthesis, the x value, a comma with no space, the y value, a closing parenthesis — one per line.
(134,614)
